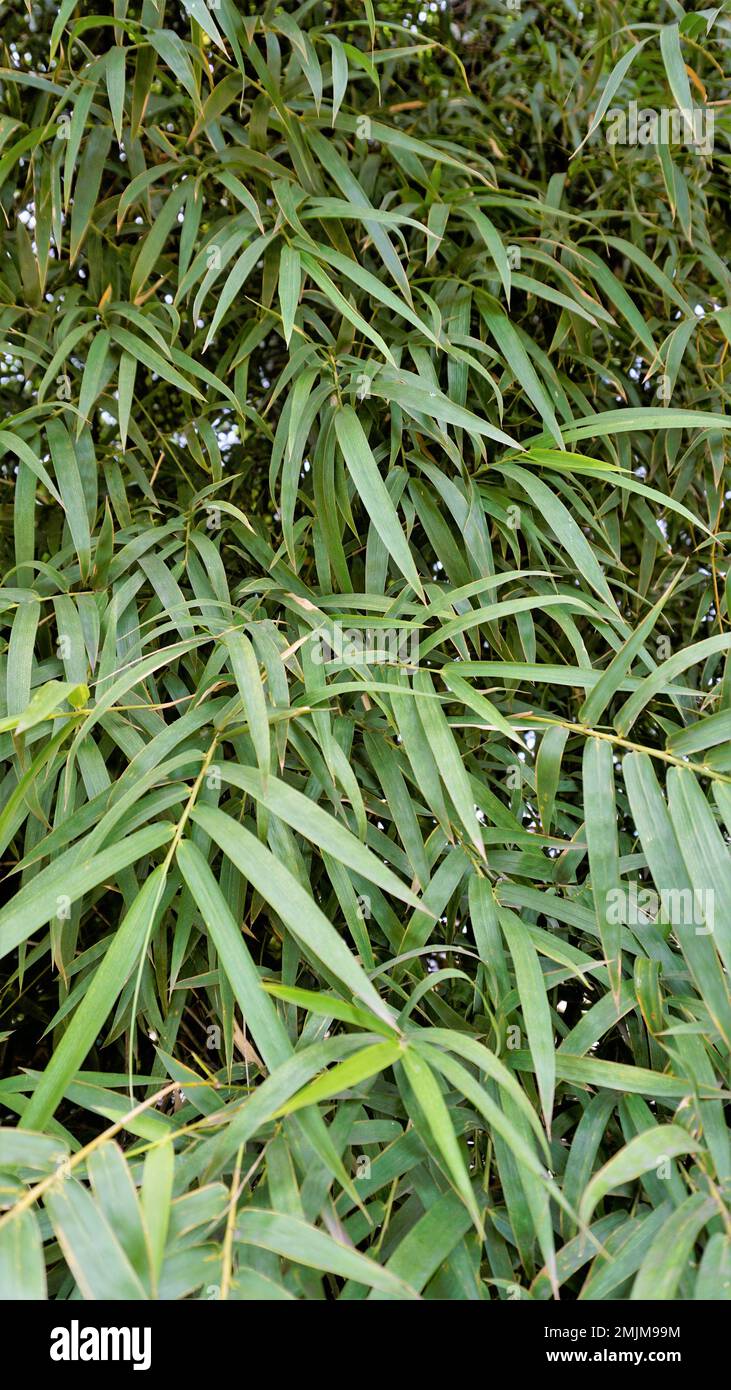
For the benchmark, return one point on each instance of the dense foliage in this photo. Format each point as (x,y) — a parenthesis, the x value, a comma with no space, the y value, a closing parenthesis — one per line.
(366,742)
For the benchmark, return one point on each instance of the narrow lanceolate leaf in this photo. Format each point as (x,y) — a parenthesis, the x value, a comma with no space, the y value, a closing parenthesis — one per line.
(125,393)
(329,1006)
(68,477)
(566,529)
(519,362)
(431,1102)
(91,1249)
(22,1267)
(701,734)
(666,1260)
(46,706)
(611,679)
(346,1076)
(289,287)
(94,378)
(259,1016)
(93,1011)
(246,670)
(297,909)
(68,878)
(155,1196)
(642,1154)
(664,676)
(429,1243)
(601,837)
(373,493)
(306,1245)
(262,1019)
(86,186)
(706,855)
(443,745)
(714,1276)
(548,771)
(534,1004)
(672,882)
(613,84)
(115,77)
(672,56)
(116,1194)
(310,820)
(21,1148)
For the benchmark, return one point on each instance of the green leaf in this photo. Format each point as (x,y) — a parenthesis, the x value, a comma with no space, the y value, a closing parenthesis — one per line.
(298,911)
(373,494)
(646,1151)
(93,1011)
(434,1109)
(306,1245)
(86,188)
(91,1249)
(289,288)
(534,1004)
(22,1268)
(155,1196)
(601,837)
(346,1075)
(665,1261)
(614,82)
